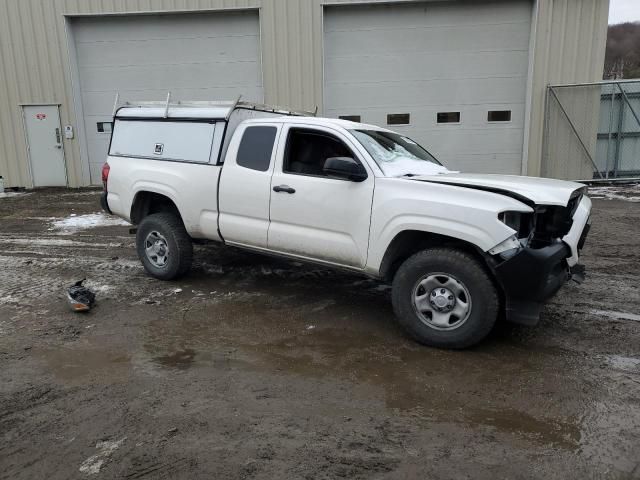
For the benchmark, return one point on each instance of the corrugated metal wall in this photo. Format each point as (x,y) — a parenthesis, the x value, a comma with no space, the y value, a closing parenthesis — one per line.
(35,66)
(570,43)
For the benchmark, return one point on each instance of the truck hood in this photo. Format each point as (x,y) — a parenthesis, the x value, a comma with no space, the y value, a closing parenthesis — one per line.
(530,190)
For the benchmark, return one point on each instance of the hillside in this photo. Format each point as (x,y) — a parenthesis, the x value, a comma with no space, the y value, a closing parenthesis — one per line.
(623,51)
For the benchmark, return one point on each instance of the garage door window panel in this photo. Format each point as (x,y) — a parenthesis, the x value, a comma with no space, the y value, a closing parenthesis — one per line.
(398,119)
(308,150)
(351,118)
(449,117)
(104,127)
(499,116)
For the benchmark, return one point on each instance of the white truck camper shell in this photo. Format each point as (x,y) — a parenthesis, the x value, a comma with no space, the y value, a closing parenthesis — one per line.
(232,113)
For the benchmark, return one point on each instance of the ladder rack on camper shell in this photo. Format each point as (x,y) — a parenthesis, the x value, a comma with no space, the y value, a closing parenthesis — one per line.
(232,105)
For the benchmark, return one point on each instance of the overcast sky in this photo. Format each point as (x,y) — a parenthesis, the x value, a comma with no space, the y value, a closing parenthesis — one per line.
(624,11)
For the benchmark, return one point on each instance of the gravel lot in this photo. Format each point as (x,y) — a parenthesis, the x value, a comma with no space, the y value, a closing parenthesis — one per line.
(259,368)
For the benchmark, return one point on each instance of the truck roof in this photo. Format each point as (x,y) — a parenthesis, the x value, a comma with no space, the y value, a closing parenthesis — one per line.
(320,121)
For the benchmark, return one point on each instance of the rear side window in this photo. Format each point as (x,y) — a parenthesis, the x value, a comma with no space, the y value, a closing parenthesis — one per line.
(256,147)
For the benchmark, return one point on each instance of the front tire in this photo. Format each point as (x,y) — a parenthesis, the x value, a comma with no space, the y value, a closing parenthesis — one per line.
(164,246)
(445,298)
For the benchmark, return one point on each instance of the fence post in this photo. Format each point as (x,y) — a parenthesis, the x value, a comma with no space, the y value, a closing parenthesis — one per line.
(616,160)
(611,107)
(545,137)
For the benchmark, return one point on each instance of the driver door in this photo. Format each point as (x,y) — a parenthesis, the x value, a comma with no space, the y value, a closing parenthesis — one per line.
(312,215)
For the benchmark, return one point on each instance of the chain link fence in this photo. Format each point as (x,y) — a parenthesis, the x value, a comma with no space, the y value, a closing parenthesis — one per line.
(592,131)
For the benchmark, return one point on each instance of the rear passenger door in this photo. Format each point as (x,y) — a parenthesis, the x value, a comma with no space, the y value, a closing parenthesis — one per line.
(245,185)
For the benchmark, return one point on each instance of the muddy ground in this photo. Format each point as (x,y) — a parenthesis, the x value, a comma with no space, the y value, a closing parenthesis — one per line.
(259,368)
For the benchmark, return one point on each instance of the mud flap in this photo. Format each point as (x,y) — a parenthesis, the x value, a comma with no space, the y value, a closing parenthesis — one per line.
(578,273)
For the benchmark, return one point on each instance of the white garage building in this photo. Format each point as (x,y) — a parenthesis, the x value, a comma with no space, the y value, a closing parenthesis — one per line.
(467,79)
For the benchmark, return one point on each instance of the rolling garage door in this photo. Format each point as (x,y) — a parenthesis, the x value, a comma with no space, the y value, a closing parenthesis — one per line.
(458,69)
(195,56)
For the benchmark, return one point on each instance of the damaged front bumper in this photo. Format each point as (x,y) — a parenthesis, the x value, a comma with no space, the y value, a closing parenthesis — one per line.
(529,278)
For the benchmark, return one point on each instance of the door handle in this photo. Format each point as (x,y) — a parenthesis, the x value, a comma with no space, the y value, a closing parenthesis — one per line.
(284,188)
(58,139)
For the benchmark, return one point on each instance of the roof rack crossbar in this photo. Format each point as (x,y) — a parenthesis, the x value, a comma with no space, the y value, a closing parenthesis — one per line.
(166,108)
(276,109)
(116,104)
(232,105)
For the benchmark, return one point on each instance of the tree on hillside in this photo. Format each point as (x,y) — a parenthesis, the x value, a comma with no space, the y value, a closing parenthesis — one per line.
(623,51)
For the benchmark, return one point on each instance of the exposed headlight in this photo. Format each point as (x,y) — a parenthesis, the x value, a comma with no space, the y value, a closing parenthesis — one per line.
(521,222)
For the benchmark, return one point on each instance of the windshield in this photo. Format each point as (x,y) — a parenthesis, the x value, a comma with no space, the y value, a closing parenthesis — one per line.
(398,155)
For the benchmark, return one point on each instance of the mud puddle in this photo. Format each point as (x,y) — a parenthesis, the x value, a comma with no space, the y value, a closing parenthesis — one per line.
(252,367)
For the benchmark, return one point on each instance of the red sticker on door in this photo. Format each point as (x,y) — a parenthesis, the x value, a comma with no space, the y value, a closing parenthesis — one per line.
(41,116)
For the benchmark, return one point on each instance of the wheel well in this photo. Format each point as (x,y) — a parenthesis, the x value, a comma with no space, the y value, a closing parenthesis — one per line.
(410,242)
(147,203)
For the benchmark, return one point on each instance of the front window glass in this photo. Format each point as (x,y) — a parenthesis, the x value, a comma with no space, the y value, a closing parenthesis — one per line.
(398,155)
(308,150)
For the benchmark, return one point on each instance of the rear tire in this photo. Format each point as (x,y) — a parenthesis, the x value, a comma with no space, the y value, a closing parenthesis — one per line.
(445,298)
(164,246)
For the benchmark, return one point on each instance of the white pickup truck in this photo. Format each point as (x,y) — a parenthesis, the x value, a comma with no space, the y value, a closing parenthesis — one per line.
(461,250)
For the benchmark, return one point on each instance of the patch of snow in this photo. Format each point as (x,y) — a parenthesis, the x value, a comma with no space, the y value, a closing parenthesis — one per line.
(628,193)
(56,242)
(14,194)
(74,223)
(94,463)
(616,315)
(625,363)
(81,194)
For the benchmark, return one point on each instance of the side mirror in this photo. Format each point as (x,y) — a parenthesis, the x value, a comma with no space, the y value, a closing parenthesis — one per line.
(345,168)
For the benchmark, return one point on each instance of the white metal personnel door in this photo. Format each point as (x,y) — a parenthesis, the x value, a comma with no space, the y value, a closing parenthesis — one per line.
(458,69)
(200,56)
(44,138)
